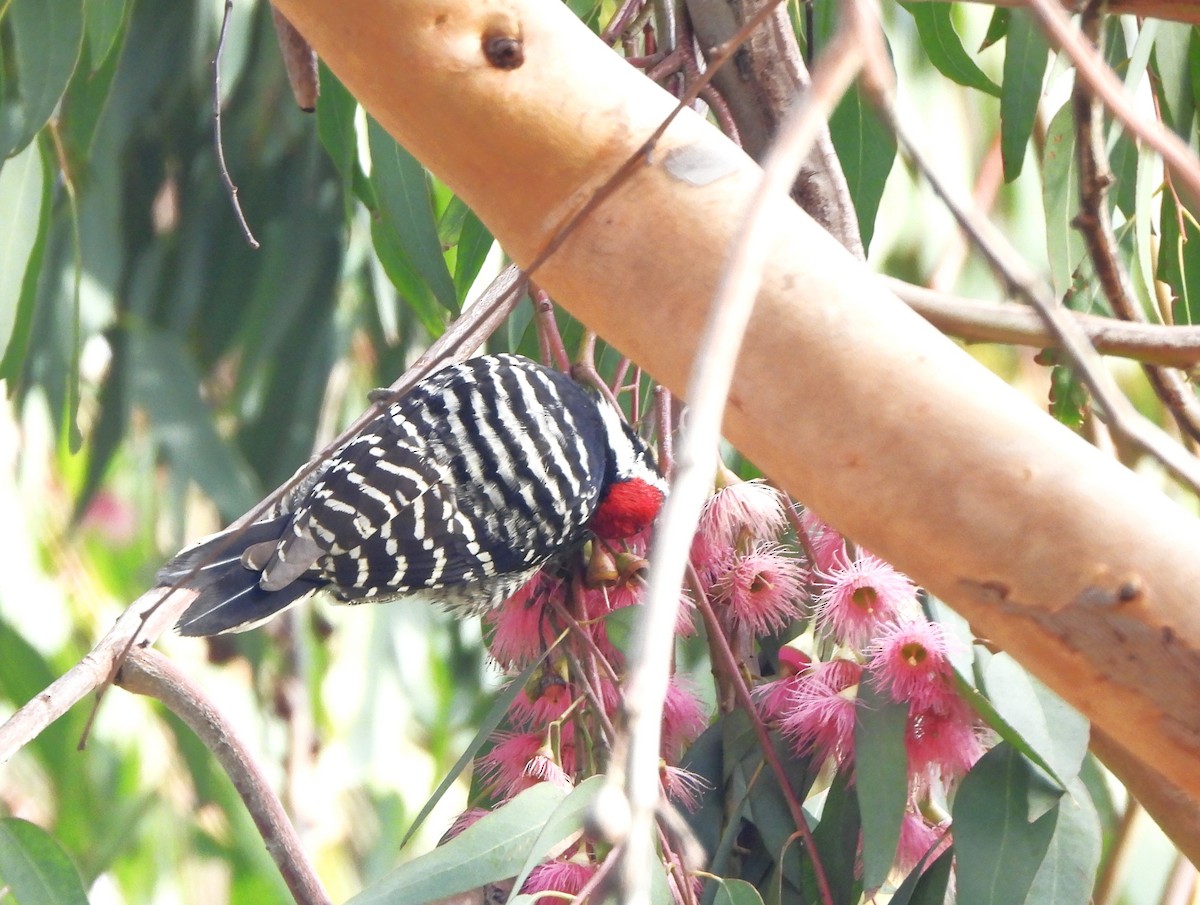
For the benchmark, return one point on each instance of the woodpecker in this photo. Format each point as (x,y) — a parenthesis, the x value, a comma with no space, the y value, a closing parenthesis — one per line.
(458,492)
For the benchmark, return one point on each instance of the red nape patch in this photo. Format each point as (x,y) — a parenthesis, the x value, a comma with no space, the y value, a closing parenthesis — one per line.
(629,507)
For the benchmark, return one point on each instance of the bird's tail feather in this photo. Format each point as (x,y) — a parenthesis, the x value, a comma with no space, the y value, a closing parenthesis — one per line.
(230,598)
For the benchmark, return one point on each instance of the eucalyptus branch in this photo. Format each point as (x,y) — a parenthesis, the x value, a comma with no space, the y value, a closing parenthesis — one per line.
(149,673)
(1095,224)
(1001,322)
(769,76)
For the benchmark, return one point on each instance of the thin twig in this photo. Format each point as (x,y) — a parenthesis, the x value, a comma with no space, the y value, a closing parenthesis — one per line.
(635,760)
(719,649)
(1095,224)
(218,143)
(149,673)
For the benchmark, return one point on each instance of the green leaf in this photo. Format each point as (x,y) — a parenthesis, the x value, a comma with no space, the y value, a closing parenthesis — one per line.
(46,39)
(881,771)
(389,248)
(931,888)
(34,868)
(990,715)
(735,892)
(997,28)
(866,149)
(25,201)
(492,849)
(1024,65)
(493,719)
(167,386)
(566,821)
(1053,728)
(944,48)
(1179,260)
(910,889)
(407,205)
(336,110)
(104,21)
(1172,47)
(1060,197)
(998,851)
(836,838)
(1068,396)
(474,243)
(1068,872)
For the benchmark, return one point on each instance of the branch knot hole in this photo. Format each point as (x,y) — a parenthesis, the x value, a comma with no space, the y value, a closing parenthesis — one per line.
(503,48)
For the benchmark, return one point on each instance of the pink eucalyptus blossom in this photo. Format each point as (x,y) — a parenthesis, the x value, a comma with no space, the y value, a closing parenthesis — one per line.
(741,513)
(828,547)
(568,877)
(911,663)
(942,744)
(524,628)
(520,760)
(684,787)
(820,716)
(917,837)
(683,719)
(771,698)
(762,589)
(860,597)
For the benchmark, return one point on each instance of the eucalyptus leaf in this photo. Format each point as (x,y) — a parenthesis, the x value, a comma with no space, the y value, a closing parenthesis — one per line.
(1024,66)
(998,851)
(1053,728)
(46,36)
(881,778)
(1068,872)
(866,149)
(484,731)
(492,849)
(944,48)
(24,198)
(1060,197)
(407,203)
(1171,61)
(166,386)
(34,868)
(735,892)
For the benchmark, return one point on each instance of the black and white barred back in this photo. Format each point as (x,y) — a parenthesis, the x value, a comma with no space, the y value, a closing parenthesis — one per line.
(460,491)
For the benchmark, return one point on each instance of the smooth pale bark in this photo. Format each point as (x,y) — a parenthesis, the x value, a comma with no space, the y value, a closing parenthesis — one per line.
(859,407)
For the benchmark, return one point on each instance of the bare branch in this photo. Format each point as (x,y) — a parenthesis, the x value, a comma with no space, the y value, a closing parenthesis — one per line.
(149,673)
(1002,322)
(1171,10)
(1122,417)
(218,143)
